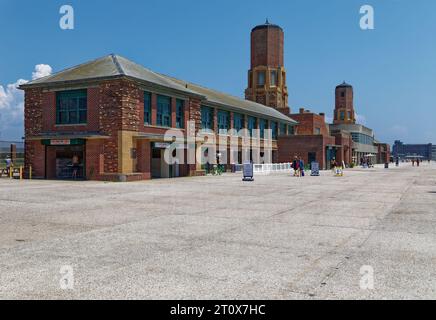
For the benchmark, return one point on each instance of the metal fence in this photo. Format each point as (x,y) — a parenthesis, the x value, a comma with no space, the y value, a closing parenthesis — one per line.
(272,167)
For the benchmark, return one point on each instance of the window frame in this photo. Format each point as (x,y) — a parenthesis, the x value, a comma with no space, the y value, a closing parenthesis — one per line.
(67,108)
(207,112)
(249,122)
(163,112)
(258,82)
(221,114)
(147,108)
(263,125)
(180,113)
(237,116)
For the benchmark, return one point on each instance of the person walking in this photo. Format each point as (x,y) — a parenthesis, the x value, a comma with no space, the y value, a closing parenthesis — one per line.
(9,163)
(333,165)
(295,165)
(301,166)
(417,162)
(76,166)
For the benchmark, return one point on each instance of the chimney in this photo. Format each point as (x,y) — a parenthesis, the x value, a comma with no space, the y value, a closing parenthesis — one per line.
(301,110)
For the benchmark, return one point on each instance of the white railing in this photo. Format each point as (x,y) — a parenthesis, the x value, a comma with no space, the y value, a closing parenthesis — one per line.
(271,167)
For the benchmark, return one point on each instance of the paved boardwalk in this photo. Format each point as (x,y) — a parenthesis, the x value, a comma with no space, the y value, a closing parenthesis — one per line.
(279,237)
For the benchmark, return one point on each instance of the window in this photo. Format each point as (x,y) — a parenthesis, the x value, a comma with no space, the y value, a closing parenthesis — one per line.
(291,130)
(238,121)
(273,78)
(262,127)
(343,94)
(274,130)
(251,125)
(71,107)
(317,131)
(342,117)
(147,108)
(349,115)
(180,112)
(206,118)
(223,120)
(261,78)
(362,138)
(163,111)
(282,129)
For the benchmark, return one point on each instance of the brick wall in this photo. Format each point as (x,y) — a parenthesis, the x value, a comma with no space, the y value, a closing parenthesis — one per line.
(267,47)
(308,121)
(301,145)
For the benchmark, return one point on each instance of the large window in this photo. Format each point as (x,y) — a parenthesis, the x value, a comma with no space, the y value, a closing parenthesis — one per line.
(251,124)
(274,79)
(223,120)
(71,107)
(238,121)
(180,112)
(291,130)
(342,115)
(262,127)
(206,118)
(147,108)
(362,138)
(163,111)
(261,78)
(274,130)
(282,129)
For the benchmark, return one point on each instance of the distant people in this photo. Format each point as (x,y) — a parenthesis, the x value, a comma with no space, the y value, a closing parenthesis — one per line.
(295,166)
(413,162)
(333,164)
(76,166)
(301,166)
(417,162)
(8,162)
(397,162)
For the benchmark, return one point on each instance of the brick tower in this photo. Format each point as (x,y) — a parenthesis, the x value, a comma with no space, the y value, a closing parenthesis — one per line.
(344,106)
(267,76)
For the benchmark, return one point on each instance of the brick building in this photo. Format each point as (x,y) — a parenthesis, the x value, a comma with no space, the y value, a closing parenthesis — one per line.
(313,141)
(108,117)
(383,152)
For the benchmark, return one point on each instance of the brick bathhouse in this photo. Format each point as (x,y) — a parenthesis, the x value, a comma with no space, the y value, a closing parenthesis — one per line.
(314,141)
(111,114)
(344,140)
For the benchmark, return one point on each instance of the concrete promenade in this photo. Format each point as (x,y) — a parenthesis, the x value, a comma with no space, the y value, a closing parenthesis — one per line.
(278,237)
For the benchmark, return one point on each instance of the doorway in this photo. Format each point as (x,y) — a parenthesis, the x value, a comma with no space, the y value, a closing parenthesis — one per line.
(70,162)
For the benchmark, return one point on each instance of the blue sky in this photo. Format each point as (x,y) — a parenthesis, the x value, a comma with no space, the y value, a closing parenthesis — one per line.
(392,68)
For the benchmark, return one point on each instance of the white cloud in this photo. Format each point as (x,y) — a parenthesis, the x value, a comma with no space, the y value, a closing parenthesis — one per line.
(12,105)
(41,70)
